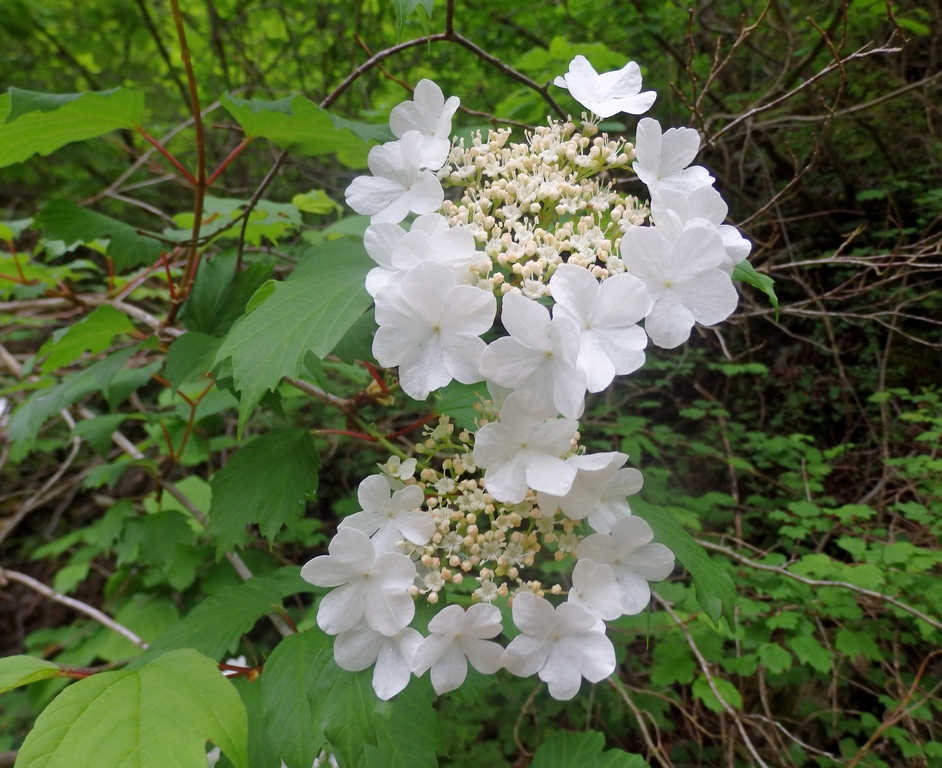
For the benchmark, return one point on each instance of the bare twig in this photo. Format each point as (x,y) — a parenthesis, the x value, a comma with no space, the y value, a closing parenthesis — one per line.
(71,602)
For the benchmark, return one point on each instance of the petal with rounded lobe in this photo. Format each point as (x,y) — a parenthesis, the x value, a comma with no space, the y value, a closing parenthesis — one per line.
(646,253)
(655,562)
(631,533)
(648,144)
(394,663)
(412,249)
(508,362)
(707,203)
(429,651)
(580,80)
(451,669)
(395,570)
(549,474)
(710,296)
(423,369)
(574,290)
(387,610)
(351,547)
(595,588)
(595,364)
(624,347)
(635,592)
(370,195)
(357,648)
(470,310)
(373,493)
(525,654)
(686,180)
(594,655)
(669,323)
(378,278)
(341,609)
(482,620)
(599,547)
(737,247)
(526,321)
(669,211)
(380,241)
(431,224)
(533,615)
(365,522)
(425,194)
(622,301)
(462,358)
(621,82)
(679,146)
(485,655)
(506,482)
(696,250)
(560,674)
(417,527)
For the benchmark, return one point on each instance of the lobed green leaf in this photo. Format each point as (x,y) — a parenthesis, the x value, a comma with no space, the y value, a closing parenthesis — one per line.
(23,670)
(40,123)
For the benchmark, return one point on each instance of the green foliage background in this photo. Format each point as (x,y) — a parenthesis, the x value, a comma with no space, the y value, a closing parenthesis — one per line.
(801,450)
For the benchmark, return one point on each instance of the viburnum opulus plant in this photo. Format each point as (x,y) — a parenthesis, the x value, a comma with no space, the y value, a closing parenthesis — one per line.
(534,245)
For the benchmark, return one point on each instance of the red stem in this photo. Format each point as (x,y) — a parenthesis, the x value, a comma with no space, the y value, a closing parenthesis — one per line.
(406,430)
(16,260)
(224,164)
(160,148)
(345,432)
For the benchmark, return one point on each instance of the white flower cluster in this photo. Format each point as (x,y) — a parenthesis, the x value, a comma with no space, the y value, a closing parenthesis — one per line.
(538,220)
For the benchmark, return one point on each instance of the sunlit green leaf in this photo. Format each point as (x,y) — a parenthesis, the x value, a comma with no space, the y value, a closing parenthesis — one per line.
(92,334)
(744,272)
(23,670)
(572,749)
(267,483)
(32,123)
(64,220)
(154,717)
(311,311)
(715,590)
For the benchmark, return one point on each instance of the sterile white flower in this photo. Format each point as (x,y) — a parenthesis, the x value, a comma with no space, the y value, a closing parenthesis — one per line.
(606,314)
(429,239)
(608,93)
(560,644)
(683,278)
(673,212)
(521,451)
(430,326)
(457,637)
(398,184)
(359,647)
(430,115)
(596,589)
(540,356)
(370,586)
(598,491)
(662,159)
(390,520)
(635,561)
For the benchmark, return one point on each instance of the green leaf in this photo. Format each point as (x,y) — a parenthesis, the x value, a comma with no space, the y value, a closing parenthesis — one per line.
(408,734)
(293,123)
(32,123)
(312,310)
(809,651)
(23,670)
(457,400)
(570,749)
(309,698)
(215,626)
(357,342)
(774,658)
(93,334)
(97,432)
(266,482)
(220,294)
(744,272)
(27,421)
(157,716)
(405,8)
(189,356)
(64,220)
(701,690)
(298,670)
(316,201)
(715,590)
